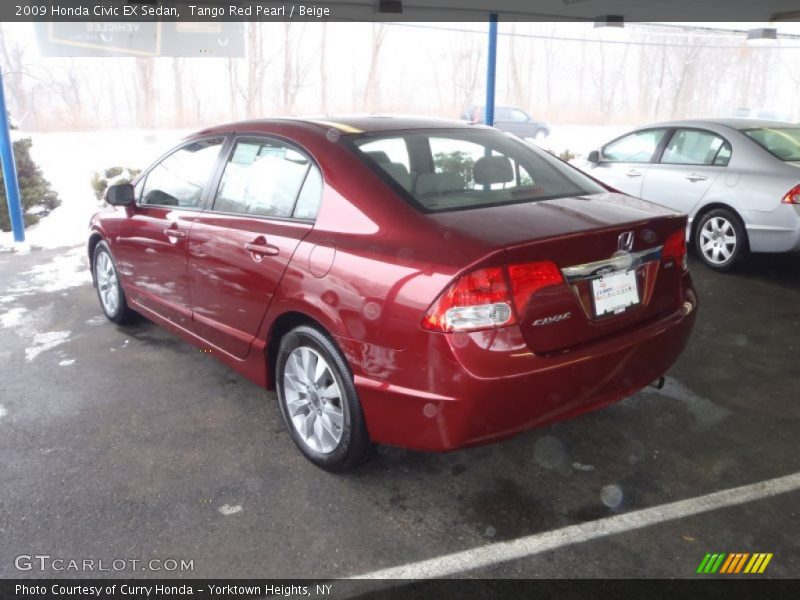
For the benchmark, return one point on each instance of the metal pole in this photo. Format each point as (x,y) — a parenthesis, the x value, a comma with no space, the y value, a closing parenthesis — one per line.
(491,70)
(10,170)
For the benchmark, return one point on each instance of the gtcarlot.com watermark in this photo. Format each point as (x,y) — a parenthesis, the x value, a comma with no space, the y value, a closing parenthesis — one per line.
(46,562)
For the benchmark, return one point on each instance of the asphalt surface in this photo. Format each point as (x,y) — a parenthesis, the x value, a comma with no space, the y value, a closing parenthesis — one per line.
(129,443)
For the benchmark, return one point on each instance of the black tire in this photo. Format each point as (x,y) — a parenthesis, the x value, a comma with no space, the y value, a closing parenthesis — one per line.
(540,134)
(354,447)
(712,250)
(122,313)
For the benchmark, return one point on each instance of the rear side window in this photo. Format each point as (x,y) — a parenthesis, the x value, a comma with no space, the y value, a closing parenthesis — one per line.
(782,142)
(696,147)
(638,147)
(179,179)
(444,170)
(264,178)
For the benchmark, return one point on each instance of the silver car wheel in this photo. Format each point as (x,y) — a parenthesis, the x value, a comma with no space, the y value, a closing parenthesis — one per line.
(313,400)
(718,240)
(107,283)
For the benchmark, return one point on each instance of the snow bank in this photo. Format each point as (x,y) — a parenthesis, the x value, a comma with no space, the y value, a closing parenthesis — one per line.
(68,161)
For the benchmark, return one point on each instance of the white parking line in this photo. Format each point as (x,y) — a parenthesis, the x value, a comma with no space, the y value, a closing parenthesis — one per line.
(486,556)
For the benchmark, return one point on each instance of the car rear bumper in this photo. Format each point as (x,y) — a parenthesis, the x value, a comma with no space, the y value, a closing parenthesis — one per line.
(488,386)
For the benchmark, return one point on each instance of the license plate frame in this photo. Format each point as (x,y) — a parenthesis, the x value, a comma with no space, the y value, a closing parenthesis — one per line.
(615,293)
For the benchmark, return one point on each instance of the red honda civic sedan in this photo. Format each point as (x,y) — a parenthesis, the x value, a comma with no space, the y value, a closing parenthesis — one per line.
(416,282)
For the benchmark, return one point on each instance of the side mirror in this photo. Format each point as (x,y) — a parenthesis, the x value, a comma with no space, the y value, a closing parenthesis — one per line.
(121,194)
(593,157)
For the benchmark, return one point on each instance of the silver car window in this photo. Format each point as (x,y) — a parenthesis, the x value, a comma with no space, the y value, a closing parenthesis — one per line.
(782,142)
(637,147)
(694,147)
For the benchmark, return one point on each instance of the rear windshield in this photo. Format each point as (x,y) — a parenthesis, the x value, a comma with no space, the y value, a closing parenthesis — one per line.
(783,142)
(446,170)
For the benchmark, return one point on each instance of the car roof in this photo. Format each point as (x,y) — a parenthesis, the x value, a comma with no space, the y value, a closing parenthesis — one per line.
(348,124)
(732,122)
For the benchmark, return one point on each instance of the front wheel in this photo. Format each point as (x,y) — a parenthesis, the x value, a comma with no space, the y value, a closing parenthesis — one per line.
(721,240)
(109,291)
(319,402)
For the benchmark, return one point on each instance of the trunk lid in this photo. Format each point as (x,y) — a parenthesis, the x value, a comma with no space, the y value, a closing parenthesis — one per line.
(586,239)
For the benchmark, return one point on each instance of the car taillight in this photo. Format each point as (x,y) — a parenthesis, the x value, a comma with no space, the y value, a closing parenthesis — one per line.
(792,196)
(482,299)
(529,278)
(477,300)
(675,248)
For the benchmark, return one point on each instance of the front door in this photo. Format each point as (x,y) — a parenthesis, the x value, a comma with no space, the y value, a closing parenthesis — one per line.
(238,250)
(151,246)
(625,161)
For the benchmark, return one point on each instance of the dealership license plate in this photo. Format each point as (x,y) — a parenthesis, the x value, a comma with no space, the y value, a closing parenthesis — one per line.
(615,293)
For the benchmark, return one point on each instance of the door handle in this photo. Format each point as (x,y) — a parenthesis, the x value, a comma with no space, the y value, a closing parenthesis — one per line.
(176,233)
(259,248)
(634,173)
(693,178)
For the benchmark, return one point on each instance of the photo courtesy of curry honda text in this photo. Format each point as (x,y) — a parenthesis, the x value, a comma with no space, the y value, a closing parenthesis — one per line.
(422,283)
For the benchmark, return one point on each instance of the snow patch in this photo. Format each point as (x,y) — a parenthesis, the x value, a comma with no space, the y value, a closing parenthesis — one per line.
(45,341)
(3,411)
(227,509)
(66,362)
(65,226)
(63,272)
(12,317)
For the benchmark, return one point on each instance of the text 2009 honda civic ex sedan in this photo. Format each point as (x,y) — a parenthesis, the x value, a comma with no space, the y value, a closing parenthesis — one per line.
(421,283)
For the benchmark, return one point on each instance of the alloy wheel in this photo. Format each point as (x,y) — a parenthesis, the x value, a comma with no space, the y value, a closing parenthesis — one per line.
(313,400)
(718,240)
(107,284)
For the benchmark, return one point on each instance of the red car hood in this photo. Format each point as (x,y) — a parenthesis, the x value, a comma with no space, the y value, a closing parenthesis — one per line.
(516,223)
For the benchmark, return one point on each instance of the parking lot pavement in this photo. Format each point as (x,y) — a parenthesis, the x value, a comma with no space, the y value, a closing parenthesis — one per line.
(129,443)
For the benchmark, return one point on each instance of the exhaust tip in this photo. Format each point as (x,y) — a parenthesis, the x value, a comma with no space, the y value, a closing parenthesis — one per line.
(687,308)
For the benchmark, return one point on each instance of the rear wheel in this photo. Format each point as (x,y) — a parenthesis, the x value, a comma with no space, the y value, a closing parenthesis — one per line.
(109,291)
(721,240)
(319,402)
(540,135)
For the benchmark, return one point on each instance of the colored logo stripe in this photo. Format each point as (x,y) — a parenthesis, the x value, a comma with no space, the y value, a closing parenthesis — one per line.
(711,563)
(721,562)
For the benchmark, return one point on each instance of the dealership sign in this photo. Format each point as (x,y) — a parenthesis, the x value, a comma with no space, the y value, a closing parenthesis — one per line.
(109,38)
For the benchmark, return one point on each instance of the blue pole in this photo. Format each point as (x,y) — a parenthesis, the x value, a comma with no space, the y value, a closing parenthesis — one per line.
(10,170)
(491,70)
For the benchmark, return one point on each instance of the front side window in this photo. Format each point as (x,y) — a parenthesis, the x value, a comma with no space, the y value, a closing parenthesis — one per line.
(462,169)
(782,142)
(696,147)
(262,177)
(179,179)
(518,115)
(638,147)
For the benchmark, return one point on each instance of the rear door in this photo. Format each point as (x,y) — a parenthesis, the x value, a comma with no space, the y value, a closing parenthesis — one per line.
(265,203)
(690,163)
(625,161)
(150,249)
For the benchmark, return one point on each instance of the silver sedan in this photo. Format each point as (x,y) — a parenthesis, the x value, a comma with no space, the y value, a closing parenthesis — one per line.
(737,179)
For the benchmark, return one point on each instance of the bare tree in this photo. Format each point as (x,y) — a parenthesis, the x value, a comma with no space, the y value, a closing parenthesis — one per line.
(371,98)
(145,91)
(323,75)
(15,71)
(177,74)
(295,68)
(466,59)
